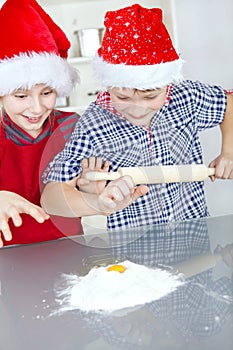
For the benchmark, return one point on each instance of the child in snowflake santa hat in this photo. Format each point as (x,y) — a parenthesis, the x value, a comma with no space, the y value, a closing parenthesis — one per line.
(148,116)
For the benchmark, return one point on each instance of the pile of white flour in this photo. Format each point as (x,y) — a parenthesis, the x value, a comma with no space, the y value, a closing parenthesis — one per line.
(103,290)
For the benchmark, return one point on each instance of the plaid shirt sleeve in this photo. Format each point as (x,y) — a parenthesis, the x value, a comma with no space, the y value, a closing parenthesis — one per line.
(210,104)
(67,164)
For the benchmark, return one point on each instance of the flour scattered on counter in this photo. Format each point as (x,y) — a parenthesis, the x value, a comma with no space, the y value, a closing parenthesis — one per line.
(110,289)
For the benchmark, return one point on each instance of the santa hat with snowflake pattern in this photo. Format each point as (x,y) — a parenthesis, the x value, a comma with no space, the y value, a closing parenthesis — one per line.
(136,50)
(33,49)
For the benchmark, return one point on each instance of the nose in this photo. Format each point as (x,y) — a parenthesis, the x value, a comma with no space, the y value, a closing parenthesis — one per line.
(36,105)
(137,110)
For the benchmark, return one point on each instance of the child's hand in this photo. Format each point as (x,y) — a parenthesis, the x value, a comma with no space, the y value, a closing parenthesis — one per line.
(92,164)
(119,194)
(11,206)
(223,165)
(226,253)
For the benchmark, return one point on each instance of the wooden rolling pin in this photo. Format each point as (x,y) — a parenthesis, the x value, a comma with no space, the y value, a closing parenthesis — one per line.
(157,174)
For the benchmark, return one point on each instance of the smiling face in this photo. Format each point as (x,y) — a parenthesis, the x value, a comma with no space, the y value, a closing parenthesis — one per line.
(137,106)
(30,108)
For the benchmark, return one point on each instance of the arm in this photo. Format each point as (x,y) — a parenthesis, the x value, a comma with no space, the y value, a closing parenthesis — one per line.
(64,199)
(11,206)
(224,162)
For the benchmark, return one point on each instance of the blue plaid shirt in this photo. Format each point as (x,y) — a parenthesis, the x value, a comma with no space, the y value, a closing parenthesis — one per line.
(171,139)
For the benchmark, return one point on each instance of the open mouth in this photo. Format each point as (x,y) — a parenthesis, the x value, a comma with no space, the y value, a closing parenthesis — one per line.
(33,120)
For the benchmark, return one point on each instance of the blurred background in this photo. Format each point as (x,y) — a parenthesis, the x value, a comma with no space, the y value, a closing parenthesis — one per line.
(202,32)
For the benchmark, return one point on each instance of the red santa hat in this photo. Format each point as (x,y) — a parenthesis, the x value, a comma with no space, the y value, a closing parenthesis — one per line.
(136,51)
(33,50)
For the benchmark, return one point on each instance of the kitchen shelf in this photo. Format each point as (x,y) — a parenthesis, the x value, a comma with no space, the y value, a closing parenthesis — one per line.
(77,109)
(76,60)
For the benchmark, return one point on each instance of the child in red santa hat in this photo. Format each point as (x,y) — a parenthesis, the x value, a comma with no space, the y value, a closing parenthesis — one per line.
(33,72)
(148,116)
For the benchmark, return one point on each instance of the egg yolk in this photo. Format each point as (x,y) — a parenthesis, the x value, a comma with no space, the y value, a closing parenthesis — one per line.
(118,268)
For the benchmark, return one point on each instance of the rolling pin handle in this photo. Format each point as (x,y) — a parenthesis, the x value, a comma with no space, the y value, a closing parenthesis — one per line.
(211,171)
(139,174)
(99,176)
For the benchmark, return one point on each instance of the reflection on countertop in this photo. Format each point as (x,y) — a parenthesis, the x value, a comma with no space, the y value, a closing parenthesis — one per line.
(197,315)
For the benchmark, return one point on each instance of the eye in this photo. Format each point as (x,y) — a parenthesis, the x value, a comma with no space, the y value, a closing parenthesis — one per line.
(47,92)
(151,97)
(122,98)
(20,96)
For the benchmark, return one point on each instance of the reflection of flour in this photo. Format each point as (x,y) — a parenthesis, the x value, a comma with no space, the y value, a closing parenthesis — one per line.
(110,291)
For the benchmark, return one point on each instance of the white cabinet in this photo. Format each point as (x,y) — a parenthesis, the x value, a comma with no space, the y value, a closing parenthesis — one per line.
(86,91)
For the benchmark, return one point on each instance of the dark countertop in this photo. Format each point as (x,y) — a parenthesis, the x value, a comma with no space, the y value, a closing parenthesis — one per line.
(198,315)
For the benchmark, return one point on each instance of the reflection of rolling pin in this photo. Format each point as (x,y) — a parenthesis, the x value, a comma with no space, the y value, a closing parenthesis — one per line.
(198,264)
(157,174)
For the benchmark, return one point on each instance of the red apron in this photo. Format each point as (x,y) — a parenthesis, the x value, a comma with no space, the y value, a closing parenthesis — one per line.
(19,173)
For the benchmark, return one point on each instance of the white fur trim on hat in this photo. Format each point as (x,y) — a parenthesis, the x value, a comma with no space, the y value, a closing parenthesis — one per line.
(26,70)
(139,77)
(2,2)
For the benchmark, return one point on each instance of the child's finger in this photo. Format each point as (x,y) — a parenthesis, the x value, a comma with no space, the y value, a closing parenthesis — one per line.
(115,193)
(98,163)
(15,216)
(4,227)
(84,163)
(121,188)
(227,174)
(108,203)
(82,182)
(128,180)
(95,163)
(106,166)
(37,213)
(139,191)
(92,163)
(212,178)
(126,186)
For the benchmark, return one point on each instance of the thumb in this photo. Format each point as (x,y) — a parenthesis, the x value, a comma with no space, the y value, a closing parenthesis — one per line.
(82,181)
(212,165)
(139,191)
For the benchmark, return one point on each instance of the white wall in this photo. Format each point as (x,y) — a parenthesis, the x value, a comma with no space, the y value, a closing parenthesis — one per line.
(204,37)
(72,15)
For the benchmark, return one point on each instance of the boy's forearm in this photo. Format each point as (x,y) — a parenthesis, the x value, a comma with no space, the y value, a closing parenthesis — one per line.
(64,200)
(227,128)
